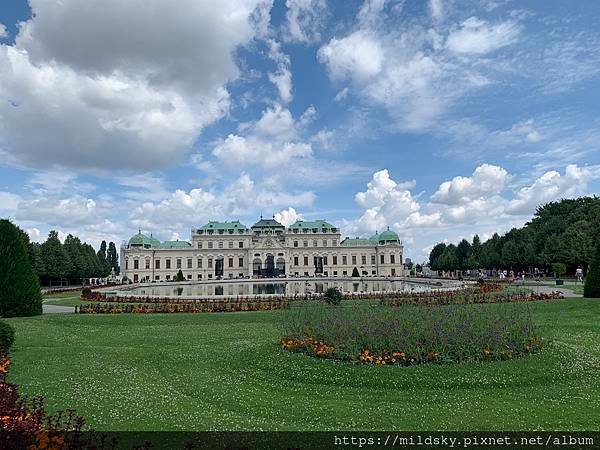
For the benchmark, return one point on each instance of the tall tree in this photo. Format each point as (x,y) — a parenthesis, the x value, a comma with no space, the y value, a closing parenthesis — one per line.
(592,281)
(104,265)
(475,258)
(56,259)
(463,252)
(434,256)
(113,257)
(20,293)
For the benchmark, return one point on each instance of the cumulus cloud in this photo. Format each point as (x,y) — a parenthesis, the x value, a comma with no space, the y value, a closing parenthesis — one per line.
(106,94)
(551,186)
(487,180)
(269,142)
(187,209)
(305,20)
(288,216)
(3,31)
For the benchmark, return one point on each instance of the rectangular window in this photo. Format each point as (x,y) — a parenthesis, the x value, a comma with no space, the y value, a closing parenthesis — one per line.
(335,273)
(315,243)
(147,263)
(241,262)
(168,277)
(334,242)
(156,277)
(168,264)
(393,272)
(373,259)
(210,244)
(324,242)
(324,260)
(199,276)
(363,259)
(295,243)
(220,244)
(305,243)
(136,264)
(189,263)
(179,263)
(126,264)
(392,259)
(344,273)
(230,244)
(157,263)
(189,277)
(306,260)
(200,244)
(230,262)
(382,258)
(241,244)
(344,260)
(199,263)
(334,260)
(295,260)
(210,263)
(354,259)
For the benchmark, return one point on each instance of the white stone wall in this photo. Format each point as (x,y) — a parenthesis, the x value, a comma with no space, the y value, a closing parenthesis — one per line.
(198,262)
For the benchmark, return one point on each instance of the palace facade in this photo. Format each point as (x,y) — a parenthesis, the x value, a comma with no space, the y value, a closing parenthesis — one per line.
(267,249)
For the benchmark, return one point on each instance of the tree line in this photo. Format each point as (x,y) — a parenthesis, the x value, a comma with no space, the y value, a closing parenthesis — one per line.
(564,232)
(70,261)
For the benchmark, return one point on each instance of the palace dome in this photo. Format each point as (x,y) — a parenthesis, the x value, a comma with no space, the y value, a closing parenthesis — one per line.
(143,240)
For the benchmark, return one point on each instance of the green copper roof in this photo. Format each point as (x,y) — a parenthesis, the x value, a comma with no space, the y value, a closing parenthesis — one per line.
(267,223)
(374,239)
(357,242)
(225,226)
(388,235)
(142,239)
(175,244)
(310,225)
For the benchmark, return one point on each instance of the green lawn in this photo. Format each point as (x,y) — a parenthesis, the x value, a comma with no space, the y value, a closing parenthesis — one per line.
(64,299)
(226,372)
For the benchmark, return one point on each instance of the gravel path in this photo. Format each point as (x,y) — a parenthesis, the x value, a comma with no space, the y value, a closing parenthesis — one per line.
(55,309)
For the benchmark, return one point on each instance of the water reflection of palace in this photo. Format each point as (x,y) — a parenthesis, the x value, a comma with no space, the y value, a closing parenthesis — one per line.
(266,249)
(289,288)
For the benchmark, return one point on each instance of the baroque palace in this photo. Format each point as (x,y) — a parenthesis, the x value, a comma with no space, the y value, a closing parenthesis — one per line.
(266,249)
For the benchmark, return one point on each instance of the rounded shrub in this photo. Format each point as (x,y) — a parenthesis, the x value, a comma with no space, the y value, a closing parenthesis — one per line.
(333,296)
(592,281)
(7,336)
(20,293)
(86,291)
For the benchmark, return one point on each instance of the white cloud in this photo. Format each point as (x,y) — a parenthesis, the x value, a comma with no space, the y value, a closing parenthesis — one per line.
(478,37)
(305,20)
(287,216)
(107,94)
(405,66)
(551,186)
(3,31)
(487,180)
(187,209)
(358,56)
(282,79)
(436,9)
(8,203)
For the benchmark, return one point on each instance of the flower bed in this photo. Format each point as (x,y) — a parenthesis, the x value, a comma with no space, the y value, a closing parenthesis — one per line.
(411,334)
(183,307)
(467,296)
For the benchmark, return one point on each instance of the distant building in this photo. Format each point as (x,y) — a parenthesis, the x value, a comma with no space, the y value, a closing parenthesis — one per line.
(266,249)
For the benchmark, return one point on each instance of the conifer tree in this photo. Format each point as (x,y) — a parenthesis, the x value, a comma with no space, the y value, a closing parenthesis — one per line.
(20,293)
(592,281)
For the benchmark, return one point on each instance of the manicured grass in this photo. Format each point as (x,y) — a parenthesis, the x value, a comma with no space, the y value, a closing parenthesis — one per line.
(226,372)
(64,299)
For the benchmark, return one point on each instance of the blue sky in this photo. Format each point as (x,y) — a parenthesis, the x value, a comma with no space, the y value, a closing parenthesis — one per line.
(438,118)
